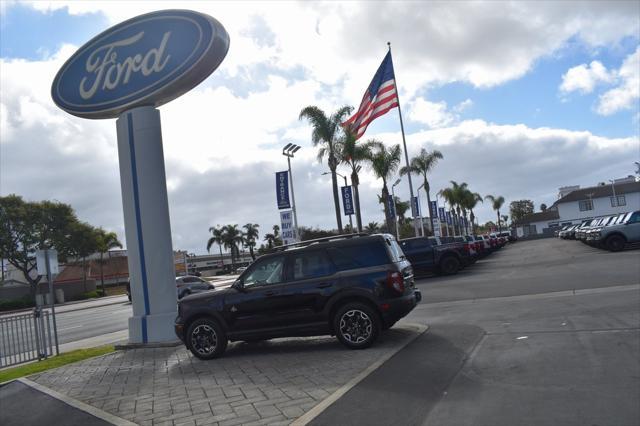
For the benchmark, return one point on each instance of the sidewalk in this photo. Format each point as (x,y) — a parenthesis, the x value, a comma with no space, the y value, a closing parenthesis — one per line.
(274,382)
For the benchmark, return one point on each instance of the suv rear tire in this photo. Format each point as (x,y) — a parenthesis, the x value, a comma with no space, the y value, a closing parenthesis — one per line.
(449,265)
(206,339)
(615,243)
(356,325)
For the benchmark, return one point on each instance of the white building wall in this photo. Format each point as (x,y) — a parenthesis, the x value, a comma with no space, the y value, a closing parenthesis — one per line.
(601,207)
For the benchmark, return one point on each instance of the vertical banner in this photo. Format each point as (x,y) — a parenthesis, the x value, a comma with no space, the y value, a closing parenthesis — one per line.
(441,214)
(347,200)
(392,207)
(415,207)
(434,209)
(287,231)
(282,190)
(449,220)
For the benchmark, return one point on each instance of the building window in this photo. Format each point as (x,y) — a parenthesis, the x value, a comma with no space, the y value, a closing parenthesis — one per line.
(585,205)
(620,200)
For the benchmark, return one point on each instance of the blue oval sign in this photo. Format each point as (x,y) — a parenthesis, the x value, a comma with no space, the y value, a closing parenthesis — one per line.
(147,60)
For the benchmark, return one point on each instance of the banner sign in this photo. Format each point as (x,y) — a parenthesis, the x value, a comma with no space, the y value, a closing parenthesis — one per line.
(148,60)
(287,231)
(434,209)
(347,200)
(449,221)
(436,228)
(392,207)
(282,190)
(441,214)
(415,207)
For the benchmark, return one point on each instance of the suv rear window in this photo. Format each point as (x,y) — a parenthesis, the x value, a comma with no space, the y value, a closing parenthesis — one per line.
(359,255)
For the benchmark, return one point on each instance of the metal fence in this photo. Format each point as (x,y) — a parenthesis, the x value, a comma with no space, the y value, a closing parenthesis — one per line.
(25,337)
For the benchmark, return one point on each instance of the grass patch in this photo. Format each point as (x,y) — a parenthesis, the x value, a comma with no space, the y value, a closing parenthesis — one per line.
(53,362)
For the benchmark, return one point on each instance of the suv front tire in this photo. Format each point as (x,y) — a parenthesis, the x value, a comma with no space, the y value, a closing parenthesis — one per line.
(356,325)
(206,339)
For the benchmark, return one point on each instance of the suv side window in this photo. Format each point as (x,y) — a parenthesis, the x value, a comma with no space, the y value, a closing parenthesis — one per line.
(267,271)
(635,217)
(358,256)
(311,264)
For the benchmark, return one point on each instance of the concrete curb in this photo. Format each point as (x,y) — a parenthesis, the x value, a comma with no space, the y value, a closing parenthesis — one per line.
(115,420)
(324,404)
(126,346)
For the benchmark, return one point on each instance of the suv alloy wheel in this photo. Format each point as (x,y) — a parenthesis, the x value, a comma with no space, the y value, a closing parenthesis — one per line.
(449,265)
(615,243)
(205,339)
(356,325)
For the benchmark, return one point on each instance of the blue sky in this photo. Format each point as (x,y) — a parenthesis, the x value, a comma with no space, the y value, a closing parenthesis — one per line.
(284,56)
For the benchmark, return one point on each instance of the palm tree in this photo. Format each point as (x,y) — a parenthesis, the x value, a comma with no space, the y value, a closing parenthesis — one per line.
(352,154)
(471,200)
(505,218)
(270,239)
(455,196)
(217,239)
(449,197)
(401,209)
(384,162)
(105,242)
(231,237)
(497,203)
(421,165)
(325,133)
(372,228)
(250,236)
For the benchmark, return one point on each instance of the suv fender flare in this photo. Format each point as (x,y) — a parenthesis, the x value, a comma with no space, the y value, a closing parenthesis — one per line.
(349,295)
(204,313)
(616,233)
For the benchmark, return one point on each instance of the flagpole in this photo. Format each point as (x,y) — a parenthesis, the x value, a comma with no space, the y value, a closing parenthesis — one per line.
(404,145)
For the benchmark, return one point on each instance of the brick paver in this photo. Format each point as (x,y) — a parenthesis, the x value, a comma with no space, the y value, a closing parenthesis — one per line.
(272,382)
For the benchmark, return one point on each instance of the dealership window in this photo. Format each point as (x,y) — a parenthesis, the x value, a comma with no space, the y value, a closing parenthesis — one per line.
(585,205)
(620,200)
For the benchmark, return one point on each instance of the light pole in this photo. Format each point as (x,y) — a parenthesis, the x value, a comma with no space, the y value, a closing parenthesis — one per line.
(345,184)
(393,197)
(288,151)
(613,189)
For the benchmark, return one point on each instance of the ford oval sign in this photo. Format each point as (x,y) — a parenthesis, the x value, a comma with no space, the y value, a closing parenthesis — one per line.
(148,60)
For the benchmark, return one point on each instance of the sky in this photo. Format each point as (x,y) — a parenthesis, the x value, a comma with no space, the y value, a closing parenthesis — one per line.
(521,98)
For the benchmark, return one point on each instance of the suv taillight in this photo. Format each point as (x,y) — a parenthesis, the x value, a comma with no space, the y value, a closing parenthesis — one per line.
(395,280)
(467,248)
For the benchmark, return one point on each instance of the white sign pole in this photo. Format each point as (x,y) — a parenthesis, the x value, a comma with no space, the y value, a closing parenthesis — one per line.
(147,226)
(49,256)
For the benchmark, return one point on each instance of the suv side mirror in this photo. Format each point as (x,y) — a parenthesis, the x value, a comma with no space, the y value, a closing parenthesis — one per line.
(237,285)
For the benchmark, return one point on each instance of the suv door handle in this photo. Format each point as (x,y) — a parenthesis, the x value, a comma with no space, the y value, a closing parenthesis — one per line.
(270,293)
(324,285)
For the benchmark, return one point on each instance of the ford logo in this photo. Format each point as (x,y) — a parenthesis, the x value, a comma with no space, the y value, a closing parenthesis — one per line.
(147,60)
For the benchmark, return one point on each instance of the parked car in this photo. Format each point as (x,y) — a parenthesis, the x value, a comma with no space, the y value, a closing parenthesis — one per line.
(432,255)
(191,284)
(625,230)
(593,232)
(351,286)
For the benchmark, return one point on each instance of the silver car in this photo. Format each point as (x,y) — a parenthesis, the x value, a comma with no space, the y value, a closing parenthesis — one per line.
(191,284)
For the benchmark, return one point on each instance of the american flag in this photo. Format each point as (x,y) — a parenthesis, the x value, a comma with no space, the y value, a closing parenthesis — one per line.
(380,97)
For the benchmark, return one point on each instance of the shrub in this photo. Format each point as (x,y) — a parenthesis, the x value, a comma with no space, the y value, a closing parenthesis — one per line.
(10,305)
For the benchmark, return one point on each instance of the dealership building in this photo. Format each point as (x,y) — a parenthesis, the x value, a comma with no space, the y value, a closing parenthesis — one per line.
(576,204)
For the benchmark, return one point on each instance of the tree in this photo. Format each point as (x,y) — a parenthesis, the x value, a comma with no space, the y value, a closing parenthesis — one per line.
(496,204)
(231,238)
(26,227)
(250,237)
(449,197)
(421,165)
(384,162)
(270,239)
(401,210)
(505,218)
(372,228)
(470,201)
(519,209)
(83,241)
(353,154)
(455,195)
(105,242)
(216,239)
(307,234)
(543,207)
(326,133)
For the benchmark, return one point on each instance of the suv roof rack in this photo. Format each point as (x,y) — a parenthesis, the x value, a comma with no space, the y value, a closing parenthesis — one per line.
(319,240)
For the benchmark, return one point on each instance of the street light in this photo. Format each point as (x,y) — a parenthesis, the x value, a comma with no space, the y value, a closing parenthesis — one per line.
(288,151)
(393,197)
(613,189)
(345,184)
(419,210)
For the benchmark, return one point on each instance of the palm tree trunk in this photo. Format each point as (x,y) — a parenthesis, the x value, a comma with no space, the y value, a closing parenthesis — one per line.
(426,189)
(251,252)
(391,223)
(499,223)
(221,258)
(356,194)
(336,202)
(472,217)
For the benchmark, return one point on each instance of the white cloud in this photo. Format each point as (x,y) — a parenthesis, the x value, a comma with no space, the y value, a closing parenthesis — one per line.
(627,93)
(433,114)
(583,78)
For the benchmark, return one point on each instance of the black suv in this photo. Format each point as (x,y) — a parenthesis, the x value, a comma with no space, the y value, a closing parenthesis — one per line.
(351,286)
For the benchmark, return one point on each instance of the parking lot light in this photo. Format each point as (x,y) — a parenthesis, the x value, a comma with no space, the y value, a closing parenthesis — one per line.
(288,151)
